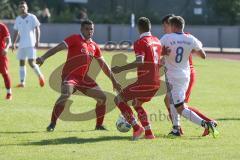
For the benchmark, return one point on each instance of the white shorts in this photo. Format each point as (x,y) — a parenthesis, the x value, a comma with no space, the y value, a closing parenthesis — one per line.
(177,88)
(26,53)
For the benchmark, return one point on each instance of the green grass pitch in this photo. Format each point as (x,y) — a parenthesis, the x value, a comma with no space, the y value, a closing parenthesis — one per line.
(24,119)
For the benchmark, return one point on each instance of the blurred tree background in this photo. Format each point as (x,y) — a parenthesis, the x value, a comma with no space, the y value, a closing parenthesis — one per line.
(196,12)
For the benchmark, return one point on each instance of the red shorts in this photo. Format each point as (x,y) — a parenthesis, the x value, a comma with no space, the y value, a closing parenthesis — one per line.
(190,86)
(79,83)
(139,91)
(3,64)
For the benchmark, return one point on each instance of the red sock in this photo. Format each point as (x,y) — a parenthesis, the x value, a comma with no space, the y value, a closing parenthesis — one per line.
(128,115)
(57,110)
(7,80)
(100,112)
(199,114)
(143,118)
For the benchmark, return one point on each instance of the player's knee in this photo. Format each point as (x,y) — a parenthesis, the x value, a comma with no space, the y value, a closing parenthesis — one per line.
(179,107)
(65,96)
(117,100)
(31,64)
(102,99)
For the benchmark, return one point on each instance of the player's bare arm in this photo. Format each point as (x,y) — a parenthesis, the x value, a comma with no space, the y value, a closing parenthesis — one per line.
(15,37)
(137,63)
(37,30)
(201,53)
(51,52)
(8,43)
(108,72)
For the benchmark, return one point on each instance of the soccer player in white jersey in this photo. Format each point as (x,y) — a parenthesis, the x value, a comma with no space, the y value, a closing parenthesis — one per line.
(177,71)
(27,28)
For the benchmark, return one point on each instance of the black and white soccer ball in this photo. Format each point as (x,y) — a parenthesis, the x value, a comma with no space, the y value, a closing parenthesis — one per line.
(122,124)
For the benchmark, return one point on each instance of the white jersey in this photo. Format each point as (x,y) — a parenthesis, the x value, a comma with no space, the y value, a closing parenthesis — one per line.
(181,45)
(26,28)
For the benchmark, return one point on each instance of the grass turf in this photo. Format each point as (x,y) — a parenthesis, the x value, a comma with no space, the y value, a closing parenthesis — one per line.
(24,119)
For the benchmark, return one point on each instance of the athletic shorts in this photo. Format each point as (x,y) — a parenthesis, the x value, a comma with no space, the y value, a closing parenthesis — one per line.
(26,53)
(3,64)
(79,83)
(177,88)
(140,91)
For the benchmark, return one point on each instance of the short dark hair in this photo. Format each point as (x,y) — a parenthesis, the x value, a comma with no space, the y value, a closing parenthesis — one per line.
(86,22)
(144,23)
(22,2)
(177,21)
(166,18)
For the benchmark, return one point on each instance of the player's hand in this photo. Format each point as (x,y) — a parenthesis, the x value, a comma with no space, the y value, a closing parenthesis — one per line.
(165,51)
(4,52)
(39,61)
(116,69)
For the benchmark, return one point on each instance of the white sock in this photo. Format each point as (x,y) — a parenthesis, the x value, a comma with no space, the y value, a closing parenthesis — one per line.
(192,116)
(175,115)
(37,70)
(9,91)
(22,73)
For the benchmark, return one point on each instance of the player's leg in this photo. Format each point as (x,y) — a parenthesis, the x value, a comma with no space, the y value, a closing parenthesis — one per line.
(97,93)
(66,91)
(187,99)
(6,77)
(31,55)
(143,118)
(193,117)
(128,115)
(167,104)
(37,71)
(22,73)
(21,56)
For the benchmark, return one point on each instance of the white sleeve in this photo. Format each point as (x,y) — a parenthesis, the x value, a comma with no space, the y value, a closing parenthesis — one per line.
(197,45)
(36,22)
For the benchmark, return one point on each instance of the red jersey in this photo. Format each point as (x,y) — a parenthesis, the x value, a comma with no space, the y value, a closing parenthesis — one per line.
(80,54)
(3,34)
(150,48)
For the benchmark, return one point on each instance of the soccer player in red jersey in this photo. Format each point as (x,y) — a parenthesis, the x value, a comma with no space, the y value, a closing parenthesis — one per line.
(81,50)
(148,51)
(5,41)
(166,29)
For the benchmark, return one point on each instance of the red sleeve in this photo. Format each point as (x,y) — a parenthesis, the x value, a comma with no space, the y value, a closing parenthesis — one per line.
(139,48)
(5,32)
(98,52)
(70,41)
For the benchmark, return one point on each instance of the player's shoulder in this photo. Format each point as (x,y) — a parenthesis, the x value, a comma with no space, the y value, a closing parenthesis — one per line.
(32,15)
(17,18)
(2,25)
(166,36)
(155,38)
(192,37)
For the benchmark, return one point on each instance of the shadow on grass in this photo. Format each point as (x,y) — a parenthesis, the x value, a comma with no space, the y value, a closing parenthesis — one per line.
(32,132)
(228,119)
(76,140)
(21,132)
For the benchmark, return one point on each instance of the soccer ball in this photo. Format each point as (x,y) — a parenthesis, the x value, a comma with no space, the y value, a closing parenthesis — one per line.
(122,124)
